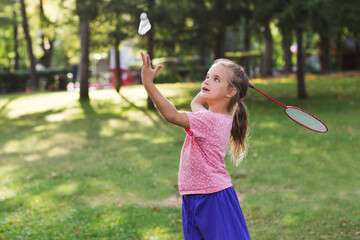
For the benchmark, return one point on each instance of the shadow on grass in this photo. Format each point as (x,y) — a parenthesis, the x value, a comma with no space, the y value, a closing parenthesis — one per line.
(94,126)
(93,176)
(156,121)
(9,100)
(88,181)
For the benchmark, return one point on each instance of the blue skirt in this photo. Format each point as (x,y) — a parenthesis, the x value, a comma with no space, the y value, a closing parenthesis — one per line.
(215,216)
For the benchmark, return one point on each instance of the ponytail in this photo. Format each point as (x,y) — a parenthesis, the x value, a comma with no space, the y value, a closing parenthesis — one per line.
(238,133)
(240,125)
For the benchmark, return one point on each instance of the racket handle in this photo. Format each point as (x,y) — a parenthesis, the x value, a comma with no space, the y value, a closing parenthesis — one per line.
(250,85)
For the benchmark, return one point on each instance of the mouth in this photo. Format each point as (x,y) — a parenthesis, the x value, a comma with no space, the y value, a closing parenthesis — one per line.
(205,89)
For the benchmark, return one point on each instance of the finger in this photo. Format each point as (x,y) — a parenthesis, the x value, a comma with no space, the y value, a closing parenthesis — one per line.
(143,58)
(158,68)
(148,60)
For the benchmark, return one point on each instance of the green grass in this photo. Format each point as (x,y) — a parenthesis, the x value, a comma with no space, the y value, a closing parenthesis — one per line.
(108,169)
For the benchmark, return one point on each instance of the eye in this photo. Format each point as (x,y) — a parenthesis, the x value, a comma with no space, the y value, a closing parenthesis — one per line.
(216,80)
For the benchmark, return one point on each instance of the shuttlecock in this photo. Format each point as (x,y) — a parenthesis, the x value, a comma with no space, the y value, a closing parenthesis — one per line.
(145,25)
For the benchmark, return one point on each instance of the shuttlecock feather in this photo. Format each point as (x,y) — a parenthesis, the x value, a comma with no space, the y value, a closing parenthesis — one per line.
(144,25)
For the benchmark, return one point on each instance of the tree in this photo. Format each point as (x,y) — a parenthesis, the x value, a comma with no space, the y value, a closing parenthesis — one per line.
(248,16)
(87,11)
(325,21)
(349,17)
(15,34)
(33,78)
(150,46)
(297,13)
(119,22)
(211,20)
(286,32)
(300,60)
(286,22)
(45,33)
(264,12)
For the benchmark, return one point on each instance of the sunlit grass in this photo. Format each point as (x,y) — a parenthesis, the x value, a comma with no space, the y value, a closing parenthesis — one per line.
(108,169)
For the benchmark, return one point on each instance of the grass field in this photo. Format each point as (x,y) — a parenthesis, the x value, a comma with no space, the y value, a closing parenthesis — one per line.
(108,169)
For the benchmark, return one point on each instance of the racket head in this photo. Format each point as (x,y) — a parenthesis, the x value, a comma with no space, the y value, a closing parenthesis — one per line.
(305,119)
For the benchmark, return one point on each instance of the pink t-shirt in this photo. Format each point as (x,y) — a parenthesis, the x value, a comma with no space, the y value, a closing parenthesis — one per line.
(202,167)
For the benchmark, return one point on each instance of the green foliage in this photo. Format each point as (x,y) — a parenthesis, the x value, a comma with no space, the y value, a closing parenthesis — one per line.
(87,10)
(60,58)
(181,28)
(278,55)
(175,70)
(168,75)
(50,79)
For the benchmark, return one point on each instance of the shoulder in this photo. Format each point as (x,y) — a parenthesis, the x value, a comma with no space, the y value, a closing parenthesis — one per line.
(202,114)
(208,118)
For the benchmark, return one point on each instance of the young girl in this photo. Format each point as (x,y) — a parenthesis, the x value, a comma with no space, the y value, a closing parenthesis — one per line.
(210,207)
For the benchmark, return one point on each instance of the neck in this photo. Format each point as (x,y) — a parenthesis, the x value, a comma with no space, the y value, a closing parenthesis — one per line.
(218,108)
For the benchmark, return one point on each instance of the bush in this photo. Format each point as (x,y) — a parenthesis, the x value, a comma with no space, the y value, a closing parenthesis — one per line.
(177,70)
(13,82)
(49,79)
(168,75)
(52,79)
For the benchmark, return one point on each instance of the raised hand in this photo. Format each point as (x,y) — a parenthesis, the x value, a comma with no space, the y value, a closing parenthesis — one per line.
(147,72)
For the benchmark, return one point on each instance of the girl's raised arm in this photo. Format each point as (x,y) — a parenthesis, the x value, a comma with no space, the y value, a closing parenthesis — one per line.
(198,103)
(166,108)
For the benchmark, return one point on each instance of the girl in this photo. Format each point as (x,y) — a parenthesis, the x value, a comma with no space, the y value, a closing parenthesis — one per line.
(210,207)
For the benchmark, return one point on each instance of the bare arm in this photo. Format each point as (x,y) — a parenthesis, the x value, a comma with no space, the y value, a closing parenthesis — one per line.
(166,108)
(198,103)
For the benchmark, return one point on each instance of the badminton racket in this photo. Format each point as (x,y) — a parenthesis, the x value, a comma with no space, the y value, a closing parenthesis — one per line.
(299,115)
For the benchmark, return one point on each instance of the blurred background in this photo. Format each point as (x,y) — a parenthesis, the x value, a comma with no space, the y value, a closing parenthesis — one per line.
(77,44)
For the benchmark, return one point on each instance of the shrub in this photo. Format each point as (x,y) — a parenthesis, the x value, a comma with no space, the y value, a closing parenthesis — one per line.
(49,79)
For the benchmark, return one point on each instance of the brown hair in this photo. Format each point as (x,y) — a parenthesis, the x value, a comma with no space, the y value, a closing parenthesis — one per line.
(240,126)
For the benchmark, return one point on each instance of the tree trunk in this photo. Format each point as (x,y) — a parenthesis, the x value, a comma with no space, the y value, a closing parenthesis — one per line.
(219,50)
(325,56)
(48,52)
(247,38)
(46,58)
(118,73)
(247,33)
(41,8)
(267,59)
(84,60)
(338,52)
(33,78)
(286,44)
(300,62)
(219,43)
(150,49)
(357,51)
(16,64)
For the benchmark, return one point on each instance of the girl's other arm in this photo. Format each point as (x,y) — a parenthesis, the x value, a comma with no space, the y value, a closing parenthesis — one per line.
(198,103)
(166,108)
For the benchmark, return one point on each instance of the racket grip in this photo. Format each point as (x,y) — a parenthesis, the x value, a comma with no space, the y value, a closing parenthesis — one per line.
(250,85)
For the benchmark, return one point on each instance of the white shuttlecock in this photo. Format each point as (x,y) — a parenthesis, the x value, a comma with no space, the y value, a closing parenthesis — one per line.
(145,25)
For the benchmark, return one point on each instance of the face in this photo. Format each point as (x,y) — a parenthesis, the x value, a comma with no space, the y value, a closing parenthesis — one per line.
(216,85)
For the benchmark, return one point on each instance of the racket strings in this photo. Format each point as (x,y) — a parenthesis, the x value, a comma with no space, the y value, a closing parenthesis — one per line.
(305,119)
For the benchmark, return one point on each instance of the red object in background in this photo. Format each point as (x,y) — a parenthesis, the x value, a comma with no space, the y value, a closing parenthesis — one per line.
(126,78)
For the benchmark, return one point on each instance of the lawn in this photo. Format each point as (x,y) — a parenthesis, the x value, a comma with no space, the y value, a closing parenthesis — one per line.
(108,169)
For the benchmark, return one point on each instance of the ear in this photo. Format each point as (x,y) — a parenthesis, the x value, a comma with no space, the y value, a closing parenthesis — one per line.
(231,92)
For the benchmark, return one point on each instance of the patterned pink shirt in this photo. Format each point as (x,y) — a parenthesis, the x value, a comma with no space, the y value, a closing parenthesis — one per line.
(202,167)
